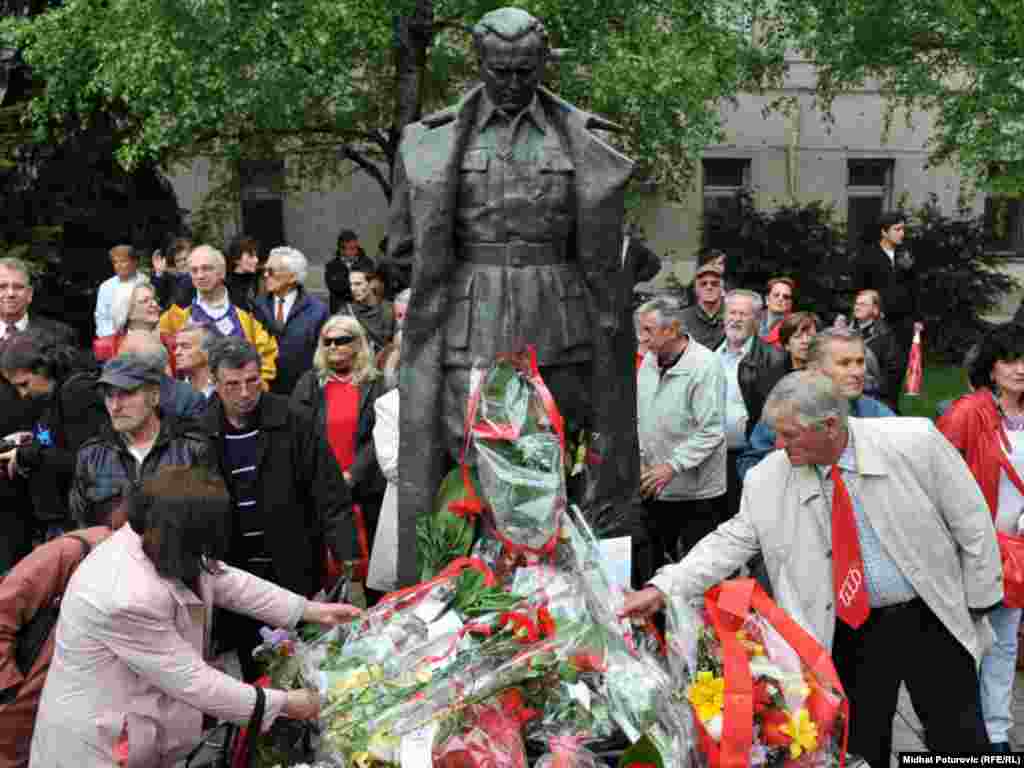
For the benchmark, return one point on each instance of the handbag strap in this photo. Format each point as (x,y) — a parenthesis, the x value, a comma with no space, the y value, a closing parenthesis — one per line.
(255,726)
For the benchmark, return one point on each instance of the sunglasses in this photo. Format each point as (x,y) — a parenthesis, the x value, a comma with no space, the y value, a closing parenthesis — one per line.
(337,341)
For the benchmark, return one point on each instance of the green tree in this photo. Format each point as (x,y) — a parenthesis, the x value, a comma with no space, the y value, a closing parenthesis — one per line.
(962,60)
(319,80)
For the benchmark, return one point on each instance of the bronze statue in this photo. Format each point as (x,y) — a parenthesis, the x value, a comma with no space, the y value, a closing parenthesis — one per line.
(511,211)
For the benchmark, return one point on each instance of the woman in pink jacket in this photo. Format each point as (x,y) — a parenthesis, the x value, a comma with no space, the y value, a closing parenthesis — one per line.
(128,674)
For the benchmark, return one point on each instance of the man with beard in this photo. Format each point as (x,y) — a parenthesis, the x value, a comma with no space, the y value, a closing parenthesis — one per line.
(140,438)
(743,356)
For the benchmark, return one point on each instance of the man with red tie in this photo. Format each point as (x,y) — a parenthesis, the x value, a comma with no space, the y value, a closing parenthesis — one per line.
(878,541)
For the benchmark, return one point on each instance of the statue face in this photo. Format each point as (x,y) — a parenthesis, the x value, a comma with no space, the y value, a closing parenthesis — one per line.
(511,71)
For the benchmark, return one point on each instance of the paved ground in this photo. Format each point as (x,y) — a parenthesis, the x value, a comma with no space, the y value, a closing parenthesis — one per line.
(907,728)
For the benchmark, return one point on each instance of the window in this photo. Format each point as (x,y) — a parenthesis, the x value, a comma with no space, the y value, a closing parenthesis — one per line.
(1004,224)
(262,182)
(868,193)
(724,178)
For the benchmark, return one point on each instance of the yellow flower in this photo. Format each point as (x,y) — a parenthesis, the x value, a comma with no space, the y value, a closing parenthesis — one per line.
(754,649)
(803,731)
(707,695)
(362,759)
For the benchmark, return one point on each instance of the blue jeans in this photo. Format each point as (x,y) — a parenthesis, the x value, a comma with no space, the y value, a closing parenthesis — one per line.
(998,671)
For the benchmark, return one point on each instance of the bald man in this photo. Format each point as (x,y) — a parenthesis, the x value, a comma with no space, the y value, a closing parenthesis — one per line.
(176,397)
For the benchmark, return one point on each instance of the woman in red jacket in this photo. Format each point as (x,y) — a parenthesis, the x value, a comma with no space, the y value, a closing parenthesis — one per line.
(987,427)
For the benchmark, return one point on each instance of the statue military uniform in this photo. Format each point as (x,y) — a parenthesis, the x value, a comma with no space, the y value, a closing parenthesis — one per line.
(513,227)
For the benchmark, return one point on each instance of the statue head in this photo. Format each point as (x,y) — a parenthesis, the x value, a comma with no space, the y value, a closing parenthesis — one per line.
(513,49)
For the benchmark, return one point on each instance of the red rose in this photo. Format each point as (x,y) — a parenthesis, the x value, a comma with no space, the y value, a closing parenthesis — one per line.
(772,721)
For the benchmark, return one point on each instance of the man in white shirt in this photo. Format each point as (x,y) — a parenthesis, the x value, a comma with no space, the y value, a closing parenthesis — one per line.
(115,292)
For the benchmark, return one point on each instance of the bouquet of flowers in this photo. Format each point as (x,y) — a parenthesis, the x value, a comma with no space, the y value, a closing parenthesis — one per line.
(762,691)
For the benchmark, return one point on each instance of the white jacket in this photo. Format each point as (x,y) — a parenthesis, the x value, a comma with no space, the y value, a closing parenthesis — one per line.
(383,575)
(919,497)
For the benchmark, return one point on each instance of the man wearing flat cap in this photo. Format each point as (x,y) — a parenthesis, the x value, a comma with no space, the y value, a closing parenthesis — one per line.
(510,211)
(139,439)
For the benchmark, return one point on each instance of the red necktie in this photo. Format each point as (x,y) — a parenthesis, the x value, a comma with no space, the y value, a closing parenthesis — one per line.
(280,310)
(847,564)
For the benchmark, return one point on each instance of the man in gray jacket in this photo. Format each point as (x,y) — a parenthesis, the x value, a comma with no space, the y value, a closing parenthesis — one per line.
(877,539)
(681,427)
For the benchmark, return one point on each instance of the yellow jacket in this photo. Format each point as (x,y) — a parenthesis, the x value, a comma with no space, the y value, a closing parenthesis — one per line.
(176,318)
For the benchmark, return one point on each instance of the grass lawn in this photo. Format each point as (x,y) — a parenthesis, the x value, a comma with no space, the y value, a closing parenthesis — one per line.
(939,383)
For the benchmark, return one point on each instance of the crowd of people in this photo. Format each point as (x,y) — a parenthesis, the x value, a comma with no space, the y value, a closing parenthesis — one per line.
(232,442)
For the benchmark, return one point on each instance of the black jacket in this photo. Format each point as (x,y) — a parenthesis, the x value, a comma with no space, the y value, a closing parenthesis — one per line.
(297,339)
(767,380)
(336,273)
(303,497)
(761,357)
(106,468)
(16,521)
(308,400)
(58,331)
(896,284)
(64,422)
(880,338)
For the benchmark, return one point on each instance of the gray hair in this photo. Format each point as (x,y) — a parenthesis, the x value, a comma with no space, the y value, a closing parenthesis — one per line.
(821,343)
(742,293)
(292,259)
(206,334)
(122,310)
(666,309)
(231,352)
(403,297)
(16,265)
(213,253)
(809,396)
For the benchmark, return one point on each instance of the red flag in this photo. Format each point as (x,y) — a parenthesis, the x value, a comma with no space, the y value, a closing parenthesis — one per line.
(914,364)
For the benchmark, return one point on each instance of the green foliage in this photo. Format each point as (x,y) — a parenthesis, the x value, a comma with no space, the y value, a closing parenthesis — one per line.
(804,242)
(958,282)
(962,60)
(304,78)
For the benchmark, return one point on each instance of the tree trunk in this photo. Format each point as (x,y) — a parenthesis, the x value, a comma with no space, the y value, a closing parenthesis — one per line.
(413,35)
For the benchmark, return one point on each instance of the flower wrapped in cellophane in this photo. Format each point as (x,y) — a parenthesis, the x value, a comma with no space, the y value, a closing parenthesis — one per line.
(763,692)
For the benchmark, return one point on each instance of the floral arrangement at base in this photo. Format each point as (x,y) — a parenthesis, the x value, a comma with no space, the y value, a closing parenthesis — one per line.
(761,690)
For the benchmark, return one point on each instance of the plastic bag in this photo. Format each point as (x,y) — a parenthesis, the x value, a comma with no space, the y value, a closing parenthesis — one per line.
(760,688)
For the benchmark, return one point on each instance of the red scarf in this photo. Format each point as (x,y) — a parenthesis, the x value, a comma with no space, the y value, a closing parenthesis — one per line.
(847,564)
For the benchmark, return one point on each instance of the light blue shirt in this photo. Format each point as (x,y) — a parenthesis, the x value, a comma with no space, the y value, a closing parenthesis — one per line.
(736,414)
(112,304)
(886,583)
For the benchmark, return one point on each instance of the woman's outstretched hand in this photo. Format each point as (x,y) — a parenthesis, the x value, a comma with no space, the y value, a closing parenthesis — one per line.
(330,613)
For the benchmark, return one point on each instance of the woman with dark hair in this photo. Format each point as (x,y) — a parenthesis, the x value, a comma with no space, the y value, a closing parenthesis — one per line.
(58,382)
(129,684)
(243,273)
(170,273)
(795,333)
(987,427)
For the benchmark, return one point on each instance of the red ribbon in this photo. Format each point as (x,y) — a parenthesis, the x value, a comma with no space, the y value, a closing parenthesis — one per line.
(727,606)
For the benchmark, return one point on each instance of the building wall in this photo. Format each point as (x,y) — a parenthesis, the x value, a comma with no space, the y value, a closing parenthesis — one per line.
(795,156)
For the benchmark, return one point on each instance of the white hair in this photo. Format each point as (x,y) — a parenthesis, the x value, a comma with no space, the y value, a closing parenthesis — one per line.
(809,396)
(741,293)
(122,308)
(292,260)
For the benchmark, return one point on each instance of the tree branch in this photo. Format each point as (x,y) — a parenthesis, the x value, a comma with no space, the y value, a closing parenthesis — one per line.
(357,157)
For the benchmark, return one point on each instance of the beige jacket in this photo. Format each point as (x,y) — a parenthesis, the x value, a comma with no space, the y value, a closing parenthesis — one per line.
(918,494)
(129,654)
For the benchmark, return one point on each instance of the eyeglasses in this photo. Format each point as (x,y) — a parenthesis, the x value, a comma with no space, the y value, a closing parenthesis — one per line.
(337,341)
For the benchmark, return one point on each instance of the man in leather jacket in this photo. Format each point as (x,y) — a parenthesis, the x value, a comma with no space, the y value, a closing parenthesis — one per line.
(138,440)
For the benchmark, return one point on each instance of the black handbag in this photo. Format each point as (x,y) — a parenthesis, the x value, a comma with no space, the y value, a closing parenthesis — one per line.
(31,638)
